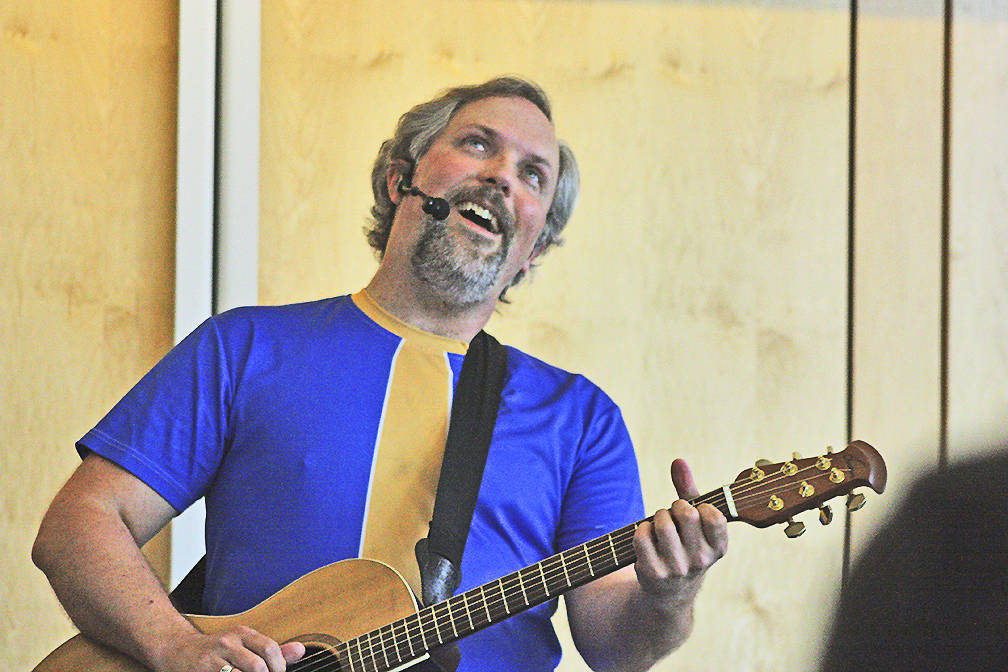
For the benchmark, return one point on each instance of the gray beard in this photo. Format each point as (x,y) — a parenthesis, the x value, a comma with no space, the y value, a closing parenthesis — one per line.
(458,275)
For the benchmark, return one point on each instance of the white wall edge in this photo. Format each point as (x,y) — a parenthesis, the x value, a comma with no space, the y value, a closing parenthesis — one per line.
(238,158)
(194,217)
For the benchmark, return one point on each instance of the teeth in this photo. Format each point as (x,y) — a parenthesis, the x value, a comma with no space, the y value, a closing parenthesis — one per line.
(480,211)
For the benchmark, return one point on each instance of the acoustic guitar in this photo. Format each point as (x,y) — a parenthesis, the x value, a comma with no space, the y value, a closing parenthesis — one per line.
(360,615)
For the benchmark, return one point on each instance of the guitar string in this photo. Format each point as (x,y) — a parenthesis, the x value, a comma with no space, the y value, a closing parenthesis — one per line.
(466,603)
(746,490)
(548,575)
(604,548)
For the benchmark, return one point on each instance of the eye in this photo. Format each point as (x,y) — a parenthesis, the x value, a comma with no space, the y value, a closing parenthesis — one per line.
(534,176)
(475,142)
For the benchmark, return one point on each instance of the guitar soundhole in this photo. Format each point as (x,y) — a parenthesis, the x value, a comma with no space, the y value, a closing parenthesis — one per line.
(318,659)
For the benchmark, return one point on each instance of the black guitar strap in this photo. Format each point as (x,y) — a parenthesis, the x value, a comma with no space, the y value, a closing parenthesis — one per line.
(473,416)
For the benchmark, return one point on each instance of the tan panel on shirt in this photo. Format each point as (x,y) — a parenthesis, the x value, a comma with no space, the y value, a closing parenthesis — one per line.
(410,446)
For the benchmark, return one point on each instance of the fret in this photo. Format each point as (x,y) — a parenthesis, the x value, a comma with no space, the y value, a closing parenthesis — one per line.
(530,586)
(371,655)
(451,619)
(360,652)
(473,600)
(397,640)
(465,605)
(521,584)
(434,627)
(500,583)
(381,643)
(612,547)
(542,575)
(409,640)
(349,654)
(368,649)
(423,637)
(485,605)
(557,577)
(591,571)
(563,564)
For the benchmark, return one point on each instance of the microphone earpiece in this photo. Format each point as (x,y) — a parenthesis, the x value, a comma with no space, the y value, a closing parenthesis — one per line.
(437,208)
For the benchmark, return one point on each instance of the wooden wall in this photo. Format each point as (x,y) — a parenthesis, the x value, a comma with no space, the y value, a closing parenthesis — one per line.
(87,131)
(704,283)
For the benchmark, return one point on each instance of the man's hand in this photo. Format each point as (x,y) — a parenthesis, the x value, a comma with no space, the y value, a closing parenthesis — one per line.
(675,551)
(630,619)
(244,649)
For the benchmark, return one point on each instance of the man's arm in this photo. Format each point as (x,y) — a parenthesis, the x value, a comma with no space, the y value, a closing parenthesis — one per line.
(634,617)
(89,548)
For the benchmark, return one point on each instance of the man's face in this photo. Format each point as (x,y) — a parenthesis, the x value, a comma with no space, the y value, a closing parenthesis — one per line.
(496,163)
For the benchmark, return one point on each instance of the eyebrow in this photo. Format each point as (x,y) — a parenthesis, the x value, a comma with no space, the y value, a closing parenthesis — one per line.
(533,157)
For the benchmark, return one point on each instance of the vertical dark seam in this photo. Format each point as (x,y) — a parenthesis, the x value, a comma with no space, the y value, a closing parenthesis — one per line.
(215,260)
(851,183)
(946,164)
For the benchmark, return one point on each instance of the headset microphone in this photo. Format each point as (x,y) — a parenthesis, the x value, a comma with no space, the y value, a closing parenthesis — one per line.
(437,208)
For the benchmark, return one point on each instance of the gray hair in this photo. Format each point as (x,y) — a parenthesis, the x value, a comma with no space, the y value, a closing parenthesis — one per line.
(419,128)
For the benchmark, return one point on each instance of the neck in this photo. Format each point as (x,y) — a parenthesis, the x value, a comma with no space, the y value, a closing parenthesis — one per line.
(413,302)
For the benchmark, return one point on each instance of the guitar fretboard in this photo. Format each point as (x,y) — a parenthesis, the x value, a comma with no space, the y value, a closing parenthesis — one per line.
(407,639)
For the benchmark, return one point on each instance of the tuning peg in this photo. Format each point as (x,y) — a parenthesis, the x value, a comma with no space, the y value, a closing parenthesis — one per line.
(855,501)
(825,514)
(829,450)
(796,455)
(795,528)
(762,462)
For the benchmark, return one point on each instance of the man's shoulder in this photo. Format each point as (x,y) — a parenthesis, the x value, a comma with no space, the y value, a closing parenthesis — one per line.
(300,310)
(284,317)
(535,374)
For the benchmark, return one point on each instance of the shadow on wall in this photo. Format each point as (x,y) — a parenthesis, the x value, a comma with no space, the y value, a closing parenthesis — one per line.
(930,592)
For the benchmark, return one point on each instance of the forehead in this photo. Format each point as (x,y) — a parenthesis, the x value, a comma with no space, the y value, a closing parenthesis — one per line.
(516,121)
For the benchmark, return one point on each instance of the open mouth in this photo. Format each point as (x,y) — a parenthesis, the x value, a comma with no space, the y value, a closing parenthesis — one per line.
(479,216)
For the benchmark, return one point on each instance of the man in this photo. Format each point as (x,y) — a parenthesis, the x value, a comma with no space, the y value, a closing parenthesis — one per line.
(316,431)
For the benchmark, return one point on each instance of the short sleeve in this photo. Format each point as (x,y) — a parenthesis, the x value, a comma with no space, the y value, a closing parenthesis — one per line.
(604,492)
(170,430)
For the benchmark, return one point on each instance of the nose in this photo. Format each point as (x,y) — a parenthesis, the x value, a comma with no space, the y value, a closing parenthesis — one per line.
(498,172)
(499,182)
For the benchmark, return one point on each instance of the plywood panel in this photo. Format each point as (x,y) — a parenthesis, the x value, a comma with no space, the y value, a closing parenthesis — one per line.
(897,229)
(86,237)
(978,290)
(704,279)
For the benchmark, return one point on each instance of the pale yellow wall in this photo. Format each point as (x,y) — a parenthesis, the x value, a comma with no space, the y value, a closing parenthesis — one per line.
(897,311)
(87,131)
(704,279)
(978,312)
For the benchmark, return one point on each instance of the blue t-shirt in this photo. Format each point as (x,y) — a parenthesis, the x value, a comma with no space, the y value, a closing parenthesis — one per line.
(273,413)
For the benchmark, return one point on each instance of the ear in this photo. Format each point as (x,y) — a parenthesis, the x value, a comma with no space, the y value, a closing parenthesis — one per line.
(398,173)
(536,251)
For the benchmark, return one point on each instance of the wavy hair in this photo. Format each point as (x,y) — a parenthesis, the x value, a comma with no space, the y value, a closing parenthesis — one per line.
(419,128)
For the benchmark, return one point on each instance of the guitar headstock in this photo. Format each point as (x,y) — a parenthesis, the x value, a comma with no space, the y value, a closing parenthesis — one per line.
(772,493)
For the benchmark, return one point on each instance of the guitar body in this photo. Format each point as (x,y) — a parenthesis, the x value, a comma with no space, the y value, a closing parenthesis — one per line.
(334,603)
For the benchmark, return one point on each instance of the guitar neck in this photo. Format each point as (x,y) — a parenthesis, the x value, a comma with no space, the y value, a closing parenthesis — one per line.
(407,639)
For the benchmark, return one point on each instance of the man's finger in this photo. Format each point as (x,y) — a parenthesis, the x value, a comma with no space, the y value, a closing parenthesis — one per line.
(682,478)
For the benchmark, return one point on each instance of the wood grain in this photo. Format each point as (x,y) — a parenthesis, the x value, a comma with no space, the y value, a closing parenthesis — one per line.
(87,132)
(340,601)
